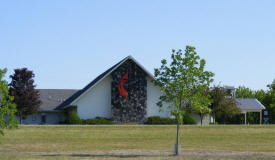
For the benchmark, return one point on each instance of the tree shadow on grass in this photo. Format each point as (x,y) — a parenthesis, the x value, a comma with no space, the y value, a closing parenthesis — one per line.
(106,156)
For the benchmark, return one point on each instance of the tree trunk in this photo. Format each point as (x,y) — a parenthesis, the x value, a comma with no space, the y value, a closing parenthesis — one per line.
(177,149)
(201,118)
(20,119)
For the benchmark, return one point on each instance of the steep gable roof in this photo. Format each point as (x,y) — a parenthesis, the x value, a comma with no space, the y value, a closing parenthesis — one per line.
(75,96)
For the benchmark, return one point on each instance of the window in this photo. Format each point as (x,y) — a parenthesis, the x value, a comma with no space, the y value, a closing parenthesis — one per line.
(43,119)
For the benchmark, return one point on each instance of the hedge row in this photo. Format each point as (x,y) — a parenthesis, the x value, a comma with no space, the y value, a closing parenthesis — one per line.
(158,120)
(97,120)
(155,120)
(74,119)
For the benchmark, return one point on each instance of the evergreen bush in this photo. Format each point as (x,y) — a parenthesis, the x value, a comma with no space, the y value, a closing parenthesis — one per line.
(73,118)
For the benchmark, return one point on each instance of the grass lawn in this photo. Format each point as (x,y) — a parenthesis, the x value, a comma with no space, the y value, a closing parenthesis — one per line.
(137,142)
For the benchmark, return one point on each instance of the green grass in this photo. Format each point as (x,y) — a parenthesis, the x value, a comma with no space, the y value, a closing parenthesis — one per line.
(133,142)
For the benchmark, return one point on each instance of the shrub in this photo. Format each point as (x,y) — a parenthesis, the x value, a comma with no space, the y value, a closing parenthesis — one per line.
(97,121)
(159,120)
(73,118)
(156,120)
(187,119)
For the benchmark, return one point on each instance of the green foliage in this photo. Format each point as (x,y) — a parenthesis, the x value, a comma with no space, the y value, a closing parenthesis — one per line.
(270,100)
(97,121)
(187,119)
(184,83)
(253,117)
(260,95)
(244,92)
(224,109)
(156,120)
(73,118)
(201,105)
(7,107)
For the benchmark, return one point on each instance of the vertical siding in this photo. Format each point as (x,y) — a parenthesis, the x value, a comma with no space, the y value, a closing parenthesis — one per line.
(153,94)
(96,102)
(205,120)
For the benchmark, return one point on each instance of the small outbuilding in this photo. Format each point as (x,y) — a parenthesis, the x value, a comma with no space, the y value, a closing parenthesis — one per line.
(250,105)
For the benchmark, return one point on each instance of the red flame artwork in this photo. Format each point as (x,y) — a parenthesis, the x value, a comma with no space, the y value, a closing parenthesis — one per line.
(121,90)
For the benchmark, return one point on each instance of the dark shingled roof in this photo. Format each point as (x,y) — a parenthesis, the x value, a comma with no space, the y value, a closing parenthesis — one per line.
(249,104)
(51,98)
(77,94)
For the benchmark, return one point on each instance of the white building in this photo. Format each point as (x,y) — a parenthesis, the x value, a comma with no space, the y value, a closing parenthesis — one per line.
(124,93)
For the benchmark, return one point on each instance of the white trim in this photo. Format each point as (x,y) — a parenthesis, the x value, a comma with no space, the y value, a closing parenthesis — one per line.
(127,58)
(250,110)
(150,75)
(260,103)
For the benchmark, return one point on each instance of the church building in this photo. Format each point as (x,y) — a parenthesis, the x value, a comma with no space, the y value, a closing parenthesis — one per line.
(123,93)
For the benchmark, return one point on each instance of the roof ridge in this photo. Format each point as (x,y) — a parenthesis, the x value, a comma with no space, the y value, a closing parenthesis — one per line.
(94,81)
(97,79)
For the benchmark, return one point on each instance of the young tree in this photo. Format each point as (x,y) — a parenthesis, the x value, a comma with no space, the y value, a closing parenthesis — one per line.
(183,83)
(7,107)
(23,89)
(201,105)
(224,109)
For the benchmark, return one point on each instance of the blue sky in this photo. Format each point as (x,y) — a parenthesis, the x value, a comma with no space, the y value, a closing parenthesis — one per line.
(68,43)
